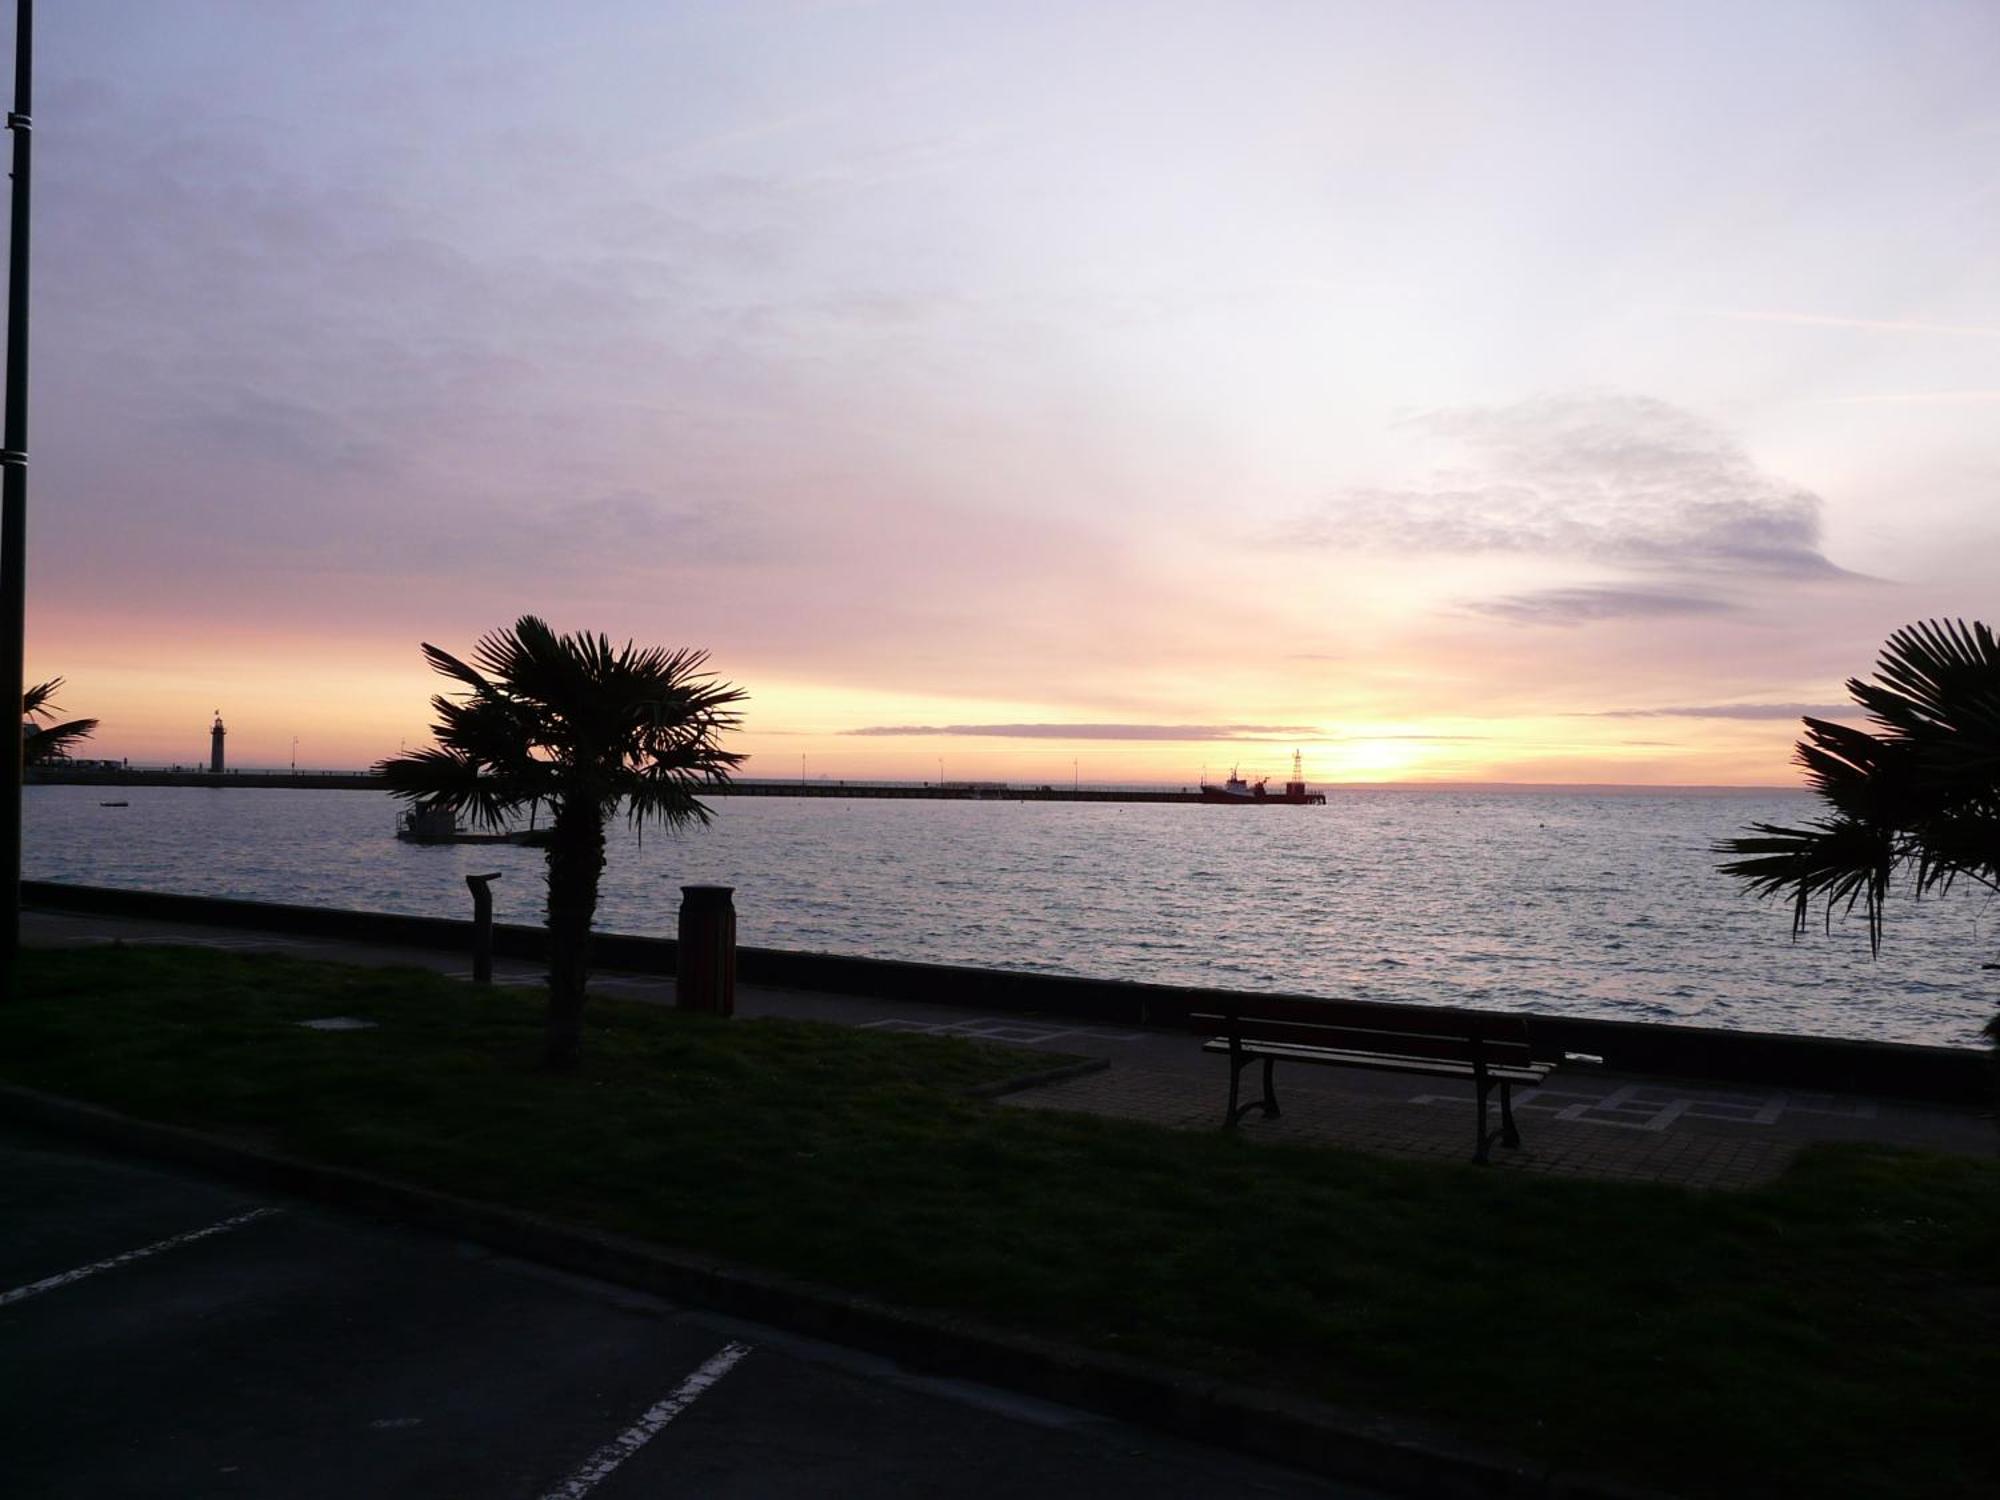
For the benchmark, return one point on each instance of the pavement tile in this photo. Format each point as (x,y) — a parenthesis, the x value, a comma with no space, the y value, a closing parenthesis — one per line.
(1420,1126)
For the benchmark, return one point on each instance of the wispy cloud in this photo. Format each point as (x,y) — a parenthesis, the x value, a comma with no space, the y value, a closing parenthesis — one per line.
(1627,481)
(1728,711)
(1095,731)
(1579,606)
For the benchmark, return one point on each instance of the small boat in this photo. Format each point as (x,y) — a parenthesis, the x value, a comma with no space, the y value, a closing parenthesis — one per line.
(1236,792)
(114,804)
(439,825)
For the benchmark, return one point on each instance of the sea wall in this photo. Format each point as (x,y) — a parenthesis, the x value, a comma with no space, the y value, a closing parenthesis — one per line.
(369,781)
(1938,1074)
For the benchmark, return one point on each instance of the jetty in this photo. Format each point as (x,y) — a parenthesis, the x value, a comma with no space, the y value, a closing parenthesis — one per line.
(369,781)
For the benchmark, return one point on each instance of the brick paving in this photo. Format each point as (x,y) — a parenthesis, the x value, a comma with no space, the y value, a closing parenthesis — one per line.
(1600,1125)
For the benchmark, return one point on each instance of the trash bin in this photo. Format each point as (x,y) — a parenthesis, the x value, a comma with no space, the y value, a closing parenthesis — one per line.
(705,958)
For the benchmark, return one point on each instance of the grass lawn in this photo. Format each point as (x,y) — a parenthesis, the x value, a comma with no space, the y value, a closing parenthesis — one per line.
(1834,1334)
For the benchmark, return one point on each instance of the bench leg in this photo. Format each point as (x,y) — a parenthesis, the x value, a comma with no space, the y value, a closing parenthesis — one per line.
(1484,1136)
(1509,1136)
(1269,1103)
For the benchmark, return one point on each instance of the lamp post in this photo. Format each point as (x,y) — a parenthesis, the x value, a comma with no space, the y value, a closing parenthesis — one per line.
(14,492)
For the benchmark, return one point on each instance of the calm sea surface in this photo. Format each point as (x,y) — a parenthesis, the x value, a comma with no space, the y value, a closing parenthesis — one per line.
(1586,904)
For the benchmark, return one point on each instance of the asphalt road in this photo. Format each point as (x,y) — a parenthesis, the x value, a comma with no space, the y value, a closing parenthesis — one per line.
(165,1335)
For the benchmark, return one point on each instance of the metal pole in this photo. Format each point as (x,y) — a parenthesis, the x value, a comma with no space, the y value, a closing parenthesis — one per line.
(481,887)
(14,495)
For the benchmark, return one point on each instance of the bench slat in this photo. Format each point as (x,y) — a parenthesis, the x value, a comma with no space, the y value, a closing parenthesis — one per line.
(1357,1039)
(1530,1073)
(1365,1015)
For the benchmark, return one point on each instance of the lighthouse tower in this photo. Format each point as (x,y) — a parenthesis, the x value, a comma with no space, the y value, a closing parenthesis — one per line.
(215,734)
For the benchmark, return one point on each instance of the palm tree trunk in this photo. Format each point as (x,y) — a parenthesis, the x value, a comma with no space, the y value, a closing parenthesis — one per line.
(575,860)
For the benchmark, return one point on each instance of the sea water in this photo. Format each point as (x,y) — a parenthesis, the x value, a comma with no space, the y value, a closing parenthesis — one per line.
(1579,903)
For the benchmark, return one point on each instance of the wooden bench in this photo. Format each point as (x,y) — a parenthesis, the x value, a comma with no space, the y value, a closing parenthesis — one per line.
(1487,1051)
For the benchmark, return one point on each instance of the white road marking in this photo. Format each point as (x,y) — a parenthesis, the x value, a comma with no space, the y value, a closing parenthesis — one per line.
(632,1439)
(51,1283)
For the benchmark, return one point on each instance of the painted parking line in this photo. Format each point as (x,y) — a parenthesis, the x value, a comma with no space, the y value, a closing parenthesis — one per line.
(51,1283)
(632,1439)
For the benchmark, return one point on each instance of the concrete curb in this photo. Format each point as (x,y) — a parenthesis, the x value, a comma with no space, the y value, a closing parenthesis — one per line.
(1401,1457)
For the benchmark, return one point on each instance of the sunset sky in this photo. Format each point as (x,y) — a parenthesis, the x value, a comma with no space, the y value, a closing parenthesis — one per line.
(1527,392)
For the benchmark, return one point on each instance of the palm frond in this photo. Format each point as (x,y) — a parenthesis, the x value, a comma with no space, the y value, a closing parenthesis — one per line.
(1937,689)
(434,778)
(1928,671)
(1843,764)
(447,665)
(38,702)
(1843,860)
(1919,792)
(548,718)
(1964,842)
(40,746)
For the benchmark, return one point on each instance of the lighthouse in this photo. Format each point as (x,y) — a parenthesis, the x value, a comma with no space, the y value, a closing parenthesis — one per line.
(215,734)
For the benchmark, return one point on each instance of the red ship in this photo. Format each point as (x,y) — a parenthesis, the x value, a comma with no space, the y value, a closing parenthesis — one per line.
(1237,792)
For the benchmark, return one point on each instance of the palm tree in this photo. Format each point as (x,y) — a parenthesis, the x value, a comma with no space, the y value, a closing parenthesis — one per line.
(42,744)
(568,723)
(1917,794)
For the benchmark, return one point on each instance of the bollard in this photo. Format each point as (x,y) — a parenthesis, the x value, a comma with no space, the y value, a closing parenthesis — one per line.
(705,957)
(481,887)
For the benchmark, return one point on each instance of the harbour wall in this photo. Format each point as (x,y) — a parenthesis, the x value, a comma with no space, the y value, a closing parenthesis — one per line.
(1960,1075)
(368,781)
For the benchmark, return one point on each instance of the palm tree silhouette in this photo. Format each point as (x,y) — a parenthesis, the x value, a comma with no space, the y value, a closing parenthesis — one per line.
(568,723)
(1919,794)
(42,744)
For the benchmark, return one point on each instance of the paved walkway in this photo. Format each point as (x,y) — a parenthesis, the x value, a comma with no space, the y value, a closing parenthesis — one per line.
(1584,1121)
